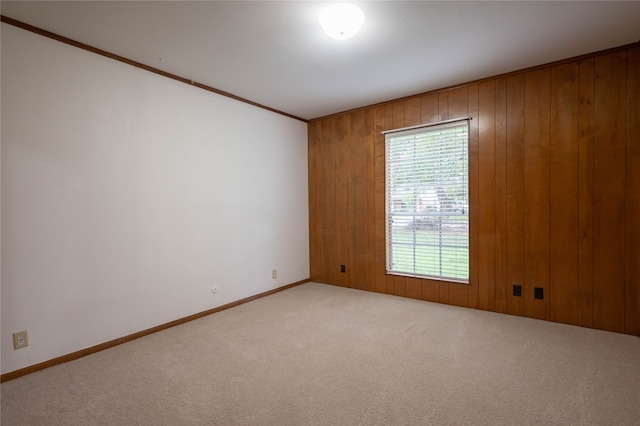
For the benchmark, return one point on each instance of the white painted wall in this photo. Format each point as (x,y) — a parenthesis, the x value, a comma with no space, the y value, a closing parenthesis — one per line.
(126,196)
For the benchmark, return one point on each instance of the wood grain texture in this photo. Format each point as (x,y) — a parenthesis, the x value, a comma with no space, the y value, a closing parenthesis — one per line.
(500,196)
(515,191)
(370,141)
(379,193)
(357,189)
(536,191)
(554,184)
(563,278)
(430,290)
(340,131)
(632,291)
(486,188)
(443,106)
(585,193)
(328,201)
(412,112)
(609,191)
(429,108)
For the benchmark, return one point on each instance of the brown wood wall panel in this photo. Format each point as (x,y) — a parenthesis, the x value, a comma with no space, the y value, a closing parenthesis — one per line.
(379,183)
(329,204)
(429,108)
(412,115)
(554,180)
(585,193)
(632,293)
(536,191)
(443,106)
(486,188)
(340,132)
(609,191)
(500,196)
(515,190)
(371,218)
(357,203)
(563,280)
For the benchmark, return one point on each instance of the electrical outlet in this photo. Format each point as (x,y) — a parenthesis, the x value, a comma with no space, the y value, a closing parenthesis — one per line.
(343,268)
(538,293)
(274,274)
(20,339)
(517,290)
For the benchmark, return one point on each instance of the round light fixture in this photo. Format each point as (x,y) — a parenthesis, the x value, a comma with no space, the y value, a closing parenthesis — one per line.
(342,21)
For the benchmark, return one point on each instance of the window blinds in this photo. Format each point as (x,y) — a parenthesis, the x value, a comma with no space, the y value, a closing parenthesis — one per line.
(427,201)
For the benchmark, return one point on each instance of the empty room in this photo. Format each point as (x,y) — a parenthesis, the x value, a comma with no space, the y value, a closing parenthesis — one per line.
(320,213)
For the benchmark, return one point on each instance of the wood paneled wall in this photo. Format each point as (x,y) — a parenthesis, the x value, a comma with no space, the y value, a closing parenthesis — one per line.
(554,192)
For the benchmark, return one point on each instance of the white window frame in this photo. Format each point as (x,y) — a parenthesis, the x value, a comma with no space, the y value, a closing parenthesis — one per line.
(427,203)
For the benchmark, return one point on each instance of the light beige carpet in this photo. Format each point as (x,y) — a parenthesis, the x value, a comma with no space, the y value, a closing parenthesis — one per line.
(323,355)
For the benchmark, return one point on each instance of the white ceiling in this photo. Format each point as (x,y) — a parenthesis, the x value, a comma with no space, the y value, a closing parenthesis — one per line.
(275,53)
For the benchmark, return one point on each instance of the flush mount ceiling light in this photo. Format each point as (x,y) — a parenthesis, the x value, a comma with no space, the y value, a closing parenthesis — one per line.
(342,21)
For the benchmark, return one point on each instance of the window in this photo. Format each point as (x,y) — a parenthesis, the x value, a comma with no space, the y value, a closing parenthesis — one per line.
(427,201)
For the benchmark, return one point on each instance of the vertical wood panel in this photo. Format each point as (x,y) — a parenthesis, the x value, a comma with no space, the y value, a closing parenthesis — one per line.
(500,176)
(358,235)
(536,191)
(458,108)
(585,194)
(343,201)
(563,279)
(328,200)
(458,102)
(414,288)
(430,291)
(429,108)
(632,294)
(443,106)
(369,138)
(411,110)
(486,185)
(609,192)
(380,239)
(515,191)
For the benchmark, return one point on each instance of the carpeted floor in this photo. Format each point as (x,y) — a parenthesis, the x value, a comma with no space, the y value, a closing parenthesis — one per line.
(324,355)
